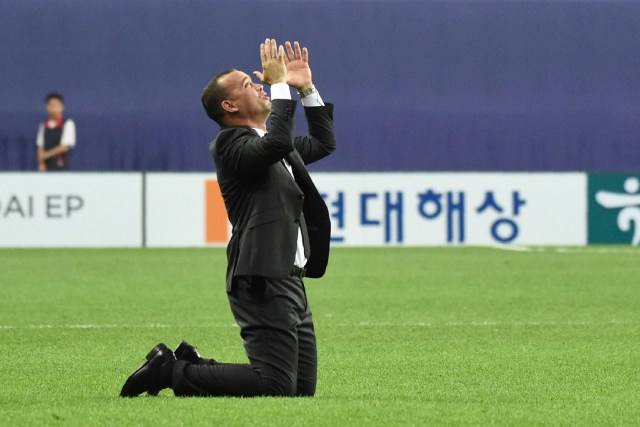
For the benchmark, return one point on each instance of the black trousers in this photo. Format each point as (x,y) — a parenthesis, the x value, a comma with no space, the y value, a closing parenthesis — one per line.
(279,339)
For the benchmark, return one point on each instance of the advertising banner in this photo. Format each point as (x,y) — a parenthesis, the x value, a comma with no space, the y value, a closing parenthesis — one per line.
(185,210)
(381,209)
(70,210)
(419,209)
(366,209)
(614,209)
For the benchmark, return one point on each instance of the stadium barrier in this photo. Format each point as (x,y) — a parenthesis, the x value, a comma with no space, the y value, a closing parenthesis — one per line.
(367,209)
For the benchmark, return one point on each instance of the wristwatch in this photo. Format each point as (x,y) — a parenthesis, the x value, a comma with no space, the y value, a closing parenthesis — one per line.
(307,92)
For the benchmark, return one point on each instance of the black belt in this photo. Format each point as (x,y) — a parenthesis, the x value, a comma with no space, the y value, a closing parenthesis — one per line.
(298,272)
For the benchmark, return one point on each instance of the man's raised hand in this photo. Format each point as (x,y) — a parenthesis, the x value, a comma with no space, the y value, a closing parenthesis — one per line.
(274,69)
(298,71)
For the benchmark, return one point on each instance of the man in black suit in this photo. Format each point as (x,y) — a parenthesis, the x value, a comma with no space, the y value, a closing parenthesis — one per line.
(281,233)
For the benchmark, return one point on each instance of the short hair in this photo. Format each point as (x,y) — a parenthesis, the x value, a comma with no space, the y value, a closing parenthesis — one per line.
(212,97)
(53,95)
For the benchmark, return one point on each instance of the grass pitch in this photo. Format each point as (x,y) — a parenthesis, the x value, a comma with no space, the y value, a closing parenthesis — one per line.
(452,336)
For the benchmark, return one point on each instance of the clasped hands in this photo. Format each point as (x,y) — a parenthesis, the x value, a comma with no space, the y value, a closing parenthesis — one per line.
(285,64)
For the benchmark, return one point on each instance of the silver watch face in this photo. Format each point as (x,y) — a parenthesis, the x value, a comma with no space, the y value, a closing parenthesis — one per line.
(308,92)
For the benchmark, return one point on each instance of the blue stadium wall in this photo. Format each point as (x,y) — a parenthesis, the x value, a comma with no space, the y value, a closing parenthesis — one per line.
(418,85)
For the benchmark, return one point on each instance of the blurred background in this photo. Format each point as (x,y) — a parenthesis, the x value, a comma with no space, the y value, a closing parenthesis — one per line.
(418,85)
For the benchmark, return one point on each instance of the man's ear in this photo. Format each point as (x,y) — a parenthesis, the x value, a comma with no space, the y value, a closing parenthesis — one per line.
(229,107)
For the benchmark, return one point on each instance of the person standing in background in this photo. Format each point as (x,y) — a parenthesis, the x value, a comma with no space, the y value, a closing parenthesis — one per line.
(56,136)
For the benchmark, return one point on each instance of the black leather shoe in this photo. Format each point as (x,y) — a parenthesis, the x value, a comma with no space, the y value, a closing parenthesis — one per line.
(149,377)
(188,353)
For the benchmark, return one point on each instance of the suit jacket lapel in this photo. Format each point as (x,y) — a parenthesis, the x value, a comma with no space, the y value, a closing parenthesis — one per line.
(300,173)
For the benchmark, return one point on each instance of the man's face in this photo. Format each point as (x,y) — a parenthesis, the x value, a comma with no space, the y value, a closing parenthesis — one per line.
(249,98)
(55,107)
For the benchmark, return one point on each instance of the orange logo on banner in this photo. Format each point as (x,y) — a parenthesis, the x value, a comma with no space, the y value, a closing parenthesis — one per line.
(216,228)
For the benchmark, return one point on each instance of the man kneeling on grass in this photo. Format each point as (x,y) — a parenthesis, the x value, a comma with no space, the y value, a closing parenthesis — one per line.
(281,233)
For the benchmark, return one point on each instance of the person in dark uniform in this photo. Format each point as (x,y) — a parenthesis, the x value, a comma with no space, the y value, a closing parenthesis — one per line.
(281,233)
(56,136)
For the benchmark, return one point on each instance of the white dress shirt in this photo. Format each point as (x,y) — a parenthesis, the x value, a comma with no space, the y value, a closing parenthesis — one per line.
(282,91)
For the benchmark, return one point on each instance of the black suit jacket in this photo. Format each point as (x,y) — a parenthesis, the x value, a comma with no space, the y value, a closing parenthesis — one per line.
(264,202)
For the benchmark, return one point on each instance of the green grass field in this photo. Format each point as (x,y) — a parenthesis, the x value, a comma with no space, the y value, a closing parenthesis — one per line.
(433,336)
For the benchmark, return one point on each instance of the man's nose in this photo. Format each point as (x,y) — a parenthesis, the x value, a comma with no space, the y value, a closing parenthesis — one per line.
(258,87)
